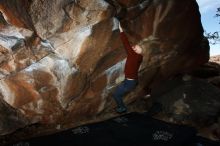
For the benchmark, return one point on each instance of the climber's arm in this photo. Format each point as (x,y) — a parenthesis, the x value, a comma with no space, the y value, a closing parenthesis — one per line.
(130,49)
(125,41)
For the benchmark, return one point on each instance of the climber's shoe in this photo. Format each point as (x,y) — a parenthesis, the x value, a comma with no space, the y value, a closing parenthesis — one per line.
(121,109)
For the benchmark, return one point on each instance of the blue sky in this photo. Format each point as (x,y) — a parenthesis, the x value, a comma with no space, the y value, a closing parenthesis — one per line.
(210,23)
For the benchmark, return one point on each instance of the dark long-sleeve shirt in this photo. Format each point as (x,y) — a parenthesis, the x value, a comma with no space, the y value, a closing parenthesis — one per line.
(133,61)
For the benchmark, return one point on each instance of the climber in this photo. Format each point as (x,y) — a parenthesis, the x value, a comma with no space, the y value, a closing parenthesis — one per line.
(133,61)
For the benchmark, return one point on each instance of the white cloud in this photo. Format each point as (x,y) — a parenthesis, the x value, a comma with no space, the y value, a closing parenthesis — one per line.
(206,5)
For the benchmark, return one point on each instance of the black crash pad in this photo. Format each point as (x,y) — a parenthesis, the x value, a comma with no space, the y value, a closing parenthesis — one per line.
(133,129)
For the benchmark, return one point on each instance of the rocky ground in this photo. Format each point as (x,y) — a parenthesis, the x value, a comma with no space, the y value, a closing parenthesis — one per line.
(215,59)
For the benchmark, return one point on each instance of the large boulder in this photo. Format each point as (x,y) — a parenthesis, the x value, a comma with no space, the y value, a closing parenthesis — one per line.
(190,100)
(65,57)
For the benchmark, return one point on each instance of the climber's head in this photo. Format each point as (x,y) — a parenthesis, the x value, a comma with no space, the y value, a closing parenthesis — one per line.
(137,49)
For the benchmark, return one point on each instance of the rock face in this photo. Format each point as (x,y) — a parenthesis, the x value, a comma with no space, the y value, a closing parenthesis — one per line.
(193,99)
(11,118)
(209,71)
(190,100)
(64,57)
